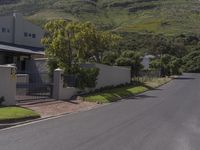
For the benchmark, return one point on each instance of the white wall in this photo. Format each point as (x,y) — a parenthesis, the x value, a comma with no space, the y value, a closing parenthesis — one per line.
(8,85)
(59,91)
(108,76)
(7,23)
(112,75)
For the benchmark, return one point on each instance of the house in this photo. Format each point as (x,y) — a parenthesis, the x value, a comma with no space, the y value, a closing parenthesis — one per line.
(20,40)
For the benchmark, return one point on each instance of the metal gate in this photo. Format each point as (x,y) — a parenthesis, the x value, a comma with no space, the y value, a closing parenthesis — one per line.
(33,87)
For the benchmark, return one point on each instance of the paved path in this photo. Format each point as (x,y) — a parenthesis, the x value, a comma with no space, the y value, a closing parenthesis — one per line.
(163,119)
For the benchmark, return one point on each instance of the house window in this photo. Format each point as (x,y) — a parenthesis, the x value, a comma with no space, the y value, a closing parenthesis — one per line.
(29,34)
(25,34)
(33,35)
(8,30)
(3,30)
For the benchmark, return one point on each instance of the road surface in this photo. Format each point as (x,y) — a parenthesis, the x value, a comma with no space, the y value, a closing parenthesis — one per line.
(164,119)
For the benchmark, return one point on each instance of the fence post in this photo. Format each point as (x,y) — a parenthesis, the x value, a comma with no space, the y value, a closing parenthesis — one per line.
(57,83)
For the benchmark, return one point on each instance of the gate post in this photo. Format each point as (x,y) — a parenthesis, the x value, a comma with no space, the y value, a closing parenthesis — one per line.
(8,84)
(57,83)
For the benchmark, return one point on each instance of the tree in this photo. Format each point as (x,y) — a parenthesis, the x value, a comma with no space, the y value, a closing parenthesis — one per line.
(110,57)
(192,62)
(94,43)
(73,42)
(60,42)
(68,44)
(167,64)
(131,58)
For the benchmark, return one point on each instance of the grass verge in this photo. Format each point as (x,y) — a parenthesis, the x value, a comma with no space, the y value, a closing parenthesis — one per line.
(14,114)
(116,94)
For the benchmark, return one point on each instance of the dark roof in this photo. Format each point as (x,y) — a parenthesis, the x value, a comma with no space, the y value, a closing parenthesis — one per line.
(21,49)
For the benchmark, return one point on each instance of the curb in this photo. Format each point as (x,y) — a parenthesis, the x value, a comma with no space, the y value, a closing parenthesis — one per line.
(10,125)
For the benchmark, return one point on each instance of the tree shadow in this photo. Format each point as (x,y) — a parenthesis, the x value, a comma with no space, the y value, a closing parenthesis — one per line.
(184,78)
(141,97)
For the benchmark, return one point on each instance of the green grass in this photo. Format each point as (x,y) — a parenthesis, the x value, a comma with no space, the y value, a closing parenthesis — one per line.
(9,114)
(116,94)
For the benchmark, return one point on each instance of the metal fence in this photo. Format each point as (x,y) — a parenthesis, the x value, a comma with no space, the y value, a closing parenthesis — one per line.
(147,75)
(33,86)
(70,80)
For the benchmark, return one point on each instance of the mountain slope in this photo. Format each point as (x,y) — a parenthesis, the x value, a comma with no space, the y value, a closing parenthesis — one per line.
(158,16)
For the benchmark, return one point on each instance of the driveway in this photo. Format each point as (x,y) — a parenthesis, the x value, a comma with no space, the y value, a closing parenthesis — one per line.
(164,119)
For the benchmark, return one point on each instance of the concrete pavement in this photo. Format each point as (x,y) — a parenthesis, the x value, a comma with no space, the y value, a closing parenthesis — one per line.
(164,119)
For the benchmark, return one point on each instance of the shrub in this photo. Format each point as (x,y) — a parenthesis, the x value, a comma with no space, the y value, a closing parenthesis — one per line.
(87,77)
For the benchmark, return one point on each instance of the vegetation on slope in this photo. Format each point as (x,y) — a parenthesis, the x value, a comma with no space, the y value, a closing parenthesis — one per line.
(150,26)
(160,16)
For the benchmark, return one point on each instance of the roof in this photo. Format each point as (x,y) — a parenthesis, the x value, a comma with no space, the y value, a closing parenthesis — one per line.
(20,49)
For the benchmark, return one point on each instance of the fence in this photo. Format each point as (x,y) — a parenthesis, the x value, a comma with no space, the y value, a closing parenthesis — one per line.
(147,75)
(33,87)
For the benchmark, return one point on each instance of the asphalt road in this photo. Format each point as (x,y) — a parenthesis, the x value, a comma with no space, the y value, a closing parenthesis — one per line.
(164,119)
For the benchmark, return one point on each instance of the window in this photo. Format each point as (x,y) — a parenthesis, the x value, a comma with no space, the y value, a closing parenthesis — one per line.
(29,34)
(25,34)
(3,30)
(33,35)
(8,30)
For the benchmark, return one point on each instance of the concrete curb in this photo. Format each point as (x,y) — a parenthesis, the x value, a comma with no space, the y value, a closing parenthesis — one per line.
(10,125)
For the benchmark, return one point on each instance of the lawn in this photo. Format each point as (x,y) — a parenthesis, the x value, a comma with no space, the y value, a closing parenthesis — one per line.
(116,94)
(12,114)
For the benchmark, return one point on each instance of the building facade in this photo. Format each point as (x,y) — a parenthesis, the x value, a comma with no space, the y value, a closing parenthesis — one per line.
(20,40)
(16,30)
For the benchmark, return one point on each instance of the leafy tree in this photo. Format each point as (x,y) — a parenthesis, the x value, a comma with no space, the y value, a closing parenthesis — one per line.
(110,57)
(176,66)
(192,62)
(60,42)
(72,43)
(167,64)
(131,58)
(95,43)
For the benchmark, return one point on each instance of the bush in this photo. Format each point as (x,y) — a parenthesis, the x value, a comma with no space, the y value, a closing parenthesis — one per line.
(192,62)
(167,64)
(132,59)
(87,77)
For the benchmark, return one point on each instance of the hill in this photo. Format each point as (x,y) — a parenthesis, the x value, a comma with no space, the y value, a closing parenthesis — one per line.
(170,17)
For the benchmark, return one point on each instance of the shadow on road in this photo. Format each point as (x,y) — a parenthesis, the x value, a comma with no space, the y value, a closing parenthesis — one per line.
(142,97)
(184,78)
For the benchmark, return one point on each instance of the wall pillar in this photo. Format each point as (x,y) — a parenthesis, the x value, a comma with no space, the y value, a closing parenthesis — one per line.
(61,92)
(8,84)
(57,83)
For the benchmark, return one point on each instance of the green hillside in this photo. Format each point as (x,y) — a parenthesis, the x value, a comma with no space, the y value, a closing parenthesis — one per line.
(161,16)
